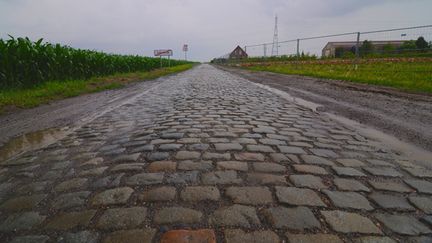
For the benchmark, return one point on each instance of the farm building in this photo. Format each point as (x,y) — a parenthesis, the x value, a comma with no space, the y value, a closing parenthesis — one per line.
(329,50)
(238,53)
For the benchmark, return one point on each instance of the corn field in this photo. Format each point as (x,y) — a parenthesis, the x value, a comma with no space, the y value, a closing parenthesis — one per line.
(24,63)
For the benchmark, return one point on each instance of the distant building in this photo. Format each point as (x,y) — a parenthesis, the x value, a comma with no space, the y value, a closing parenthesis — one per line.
(329,50)
(238,53)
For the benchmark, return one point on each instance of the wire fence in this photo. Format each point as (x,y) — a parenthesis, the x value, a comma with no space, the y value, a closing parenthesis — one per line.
(399,42)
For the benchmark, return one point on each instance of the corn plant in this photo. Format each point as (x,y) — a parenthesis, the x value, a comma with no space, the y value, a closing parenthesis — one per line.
(24,63)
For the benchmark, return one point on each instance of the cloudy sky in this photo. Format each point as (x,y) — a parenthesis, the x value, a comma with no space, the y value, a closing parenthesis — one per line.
(211,27)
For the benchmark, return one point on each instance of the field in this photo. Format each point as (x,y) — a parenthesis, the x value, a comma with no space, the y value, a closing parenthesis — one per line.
(11,99)
(24,63)
(410,74)
(33,73)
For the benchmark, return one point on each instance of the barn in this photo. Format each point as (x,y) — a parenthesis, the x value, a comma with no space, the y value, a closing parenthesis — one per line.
(238,53)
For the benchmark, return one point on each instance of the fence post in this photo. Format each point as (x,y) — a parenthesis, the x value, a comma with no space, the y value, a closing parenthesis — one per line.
(298,52)
(357,51)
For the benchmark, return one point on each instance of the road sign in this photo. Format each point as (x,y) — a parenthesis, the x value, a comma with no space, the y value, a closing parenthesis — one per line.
(185,47)
(165,52)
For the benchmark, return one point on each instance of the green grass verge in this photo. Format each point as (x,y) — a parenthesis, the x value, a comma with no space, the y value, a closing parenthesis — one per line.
(54,90)
(407,76)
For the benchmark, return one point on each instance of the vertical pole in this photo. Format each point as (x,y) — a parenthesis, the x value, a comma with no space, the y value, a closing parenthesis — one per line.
(298,52)
(160,58)
(357,50)
(169,61)
(265,50)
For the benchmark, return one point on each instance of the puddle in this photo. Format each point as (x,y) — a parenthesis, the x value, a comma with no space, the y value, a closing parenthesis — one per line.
(30,141)
(285,95)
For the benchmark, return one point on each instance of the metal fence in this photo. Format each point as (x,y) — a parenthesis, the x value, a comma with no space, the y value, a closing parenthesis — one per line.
(349,45)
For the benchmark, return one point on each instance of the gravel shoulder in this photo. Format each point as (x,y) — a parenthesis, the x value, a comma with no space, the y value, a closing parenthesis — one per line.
(406,116)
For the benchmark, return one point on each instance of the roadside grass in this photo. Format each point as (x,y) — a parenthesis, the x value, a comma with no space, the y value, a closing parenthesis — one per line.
(406,76)
(53,90)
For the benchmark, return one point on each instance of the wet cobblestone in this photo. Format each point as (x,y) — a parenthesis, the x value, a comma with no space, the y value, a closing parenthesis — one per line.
(209,156)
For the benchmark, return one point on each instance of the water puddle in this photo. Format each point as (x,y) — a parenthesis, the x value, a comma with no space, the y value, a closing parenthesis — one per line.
(31,141)
(285,95)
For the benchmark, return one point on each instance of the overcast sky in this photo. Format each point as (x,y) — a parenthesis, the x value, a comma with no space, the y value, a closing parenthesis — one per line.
(211,27)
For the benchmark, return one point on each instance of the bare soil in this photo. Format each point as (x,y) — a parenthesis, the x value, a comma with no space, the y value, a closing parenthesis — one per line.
(407,116)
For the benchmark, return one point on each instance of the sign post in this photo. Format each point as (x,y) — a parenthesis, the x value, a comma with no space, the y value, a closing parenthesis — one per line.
(164,52)
(185,49)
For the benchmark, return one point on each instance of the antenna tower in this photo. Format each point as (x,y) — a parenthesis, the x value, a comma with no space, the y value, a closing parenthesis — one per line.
(275,45)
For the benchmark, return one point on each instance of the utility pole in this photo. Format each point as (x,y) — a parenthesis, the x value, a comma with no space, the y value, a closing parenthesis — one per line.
(275,47)
(185,49)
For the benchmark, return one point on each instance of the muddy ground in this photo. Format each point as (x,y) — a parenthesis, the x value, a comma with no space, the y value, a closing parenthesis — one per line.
(403,115)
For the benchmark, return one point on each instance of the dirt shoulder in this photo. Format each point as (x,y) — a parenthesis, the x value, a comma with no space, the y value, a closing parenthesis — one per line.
(403,115)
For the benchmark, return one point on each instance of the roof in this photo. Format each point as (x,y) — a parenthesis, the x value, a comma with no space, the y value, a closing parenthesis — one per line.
(353,43)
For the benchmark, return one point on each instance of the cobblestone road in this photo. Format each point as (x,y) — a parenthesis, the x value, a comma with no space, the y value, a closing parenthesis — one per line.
(206,156)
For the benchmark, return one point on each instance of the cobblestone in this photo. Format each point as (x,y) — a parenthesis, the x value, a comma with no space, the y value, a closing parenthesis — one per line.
(221,177)
(310,181)
(249,195)
(345,222)
(82,236)
(70,220)
(391,202)
(208,156)
(112,196)
(262,236)
(177,215)
(69,200)
(164,193)
(145,179)
(130,236)
(189,236)
(322,238)
(389,186)
(236,215)
(297,196)
(200,193)
(22,203)
(30,239)
(423,203)
(120,218)
(298,218)
(405,225)
(232,165)
(22,221)
(421,186)
(351,200)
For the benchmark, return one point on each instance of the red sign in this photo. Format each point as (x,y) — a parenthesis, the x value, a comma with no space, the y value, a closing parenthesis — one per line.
(166,52)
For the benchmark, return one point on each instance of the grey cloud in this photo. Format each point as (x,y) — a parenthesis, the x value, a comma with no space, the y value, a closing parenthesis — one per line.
(211,27)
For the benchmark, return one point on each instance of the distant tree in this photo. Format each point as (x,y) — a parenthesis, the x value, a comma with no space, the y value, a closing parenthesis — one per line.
(421,43)
(366,48)
(409,45)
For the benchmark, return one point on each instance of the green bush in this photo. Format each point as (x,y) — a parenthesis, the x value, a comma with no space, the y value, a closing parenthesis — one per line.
(24,63)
